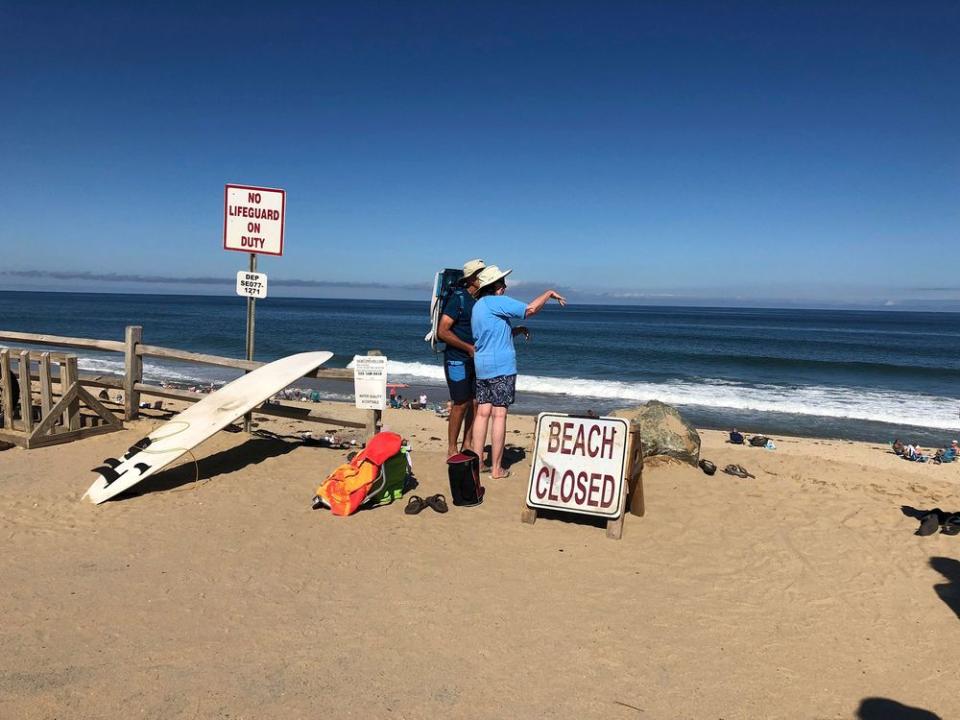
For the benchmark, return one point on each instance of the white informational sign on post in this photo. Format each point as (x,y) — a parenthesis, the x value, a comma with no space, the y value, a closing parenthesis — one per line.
(251,284)
(253,219)
(370,381)
(578,464)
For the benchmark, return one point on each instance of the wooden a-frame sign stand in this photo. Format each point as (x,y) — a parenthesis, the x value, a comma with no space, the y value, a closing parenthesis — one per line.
(59,422)
(633,479)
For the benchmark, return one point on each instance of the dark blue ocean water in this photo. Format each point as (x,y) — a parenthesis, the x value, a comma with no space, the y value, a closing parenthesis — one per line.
(838,373)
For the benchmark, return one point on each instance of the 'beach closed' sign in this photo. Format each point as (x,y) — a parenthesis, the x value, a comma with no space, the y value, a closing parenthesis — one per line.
(253,219)
(578,464)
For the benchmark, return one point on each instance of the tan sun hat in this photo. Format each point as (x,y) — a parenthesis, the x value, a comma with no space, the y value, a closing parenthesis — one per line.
(490,274)
(472,267)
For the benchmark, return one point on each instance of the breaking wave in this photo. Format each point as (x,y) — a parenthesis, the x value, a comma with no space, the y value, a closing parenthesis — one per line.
(815,400)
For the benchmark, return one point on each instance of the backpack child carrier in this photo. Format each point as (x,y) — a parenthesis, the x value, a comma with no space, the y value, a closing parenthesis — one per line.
(372,476)
(464,472)
(444,283)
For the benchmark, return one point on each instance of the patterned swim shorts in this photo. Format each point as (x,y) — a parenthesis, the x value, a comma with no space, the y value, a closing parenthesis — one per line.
(500,391)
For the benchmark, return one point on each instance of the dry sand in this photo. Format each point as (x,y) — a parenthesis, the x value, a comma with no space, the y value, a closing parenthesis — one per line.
(799,594)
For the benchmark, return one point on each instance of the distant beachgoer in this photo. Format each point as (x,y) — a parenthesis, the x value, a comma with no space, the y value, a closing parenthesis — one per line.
(898,447)
(423,401)
(496,359)
(455,331)
(736,437)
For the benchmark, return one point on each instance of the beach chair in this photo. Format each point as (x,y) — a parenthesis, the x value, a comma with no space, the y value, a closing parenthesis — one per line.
(947,456)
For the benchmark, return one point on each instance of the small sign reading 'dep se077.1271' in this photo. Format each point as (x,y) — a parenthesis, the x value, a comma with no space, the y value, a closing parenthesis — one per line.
(252,284)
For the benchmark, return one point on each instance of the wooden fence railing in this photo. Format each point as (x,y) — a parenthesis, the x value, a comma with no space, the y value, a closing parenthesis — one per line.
(132,383)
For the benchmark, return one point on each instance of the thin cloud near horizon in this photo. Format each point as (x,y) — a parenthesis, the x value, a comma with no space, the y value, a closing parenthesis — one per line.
(709,298)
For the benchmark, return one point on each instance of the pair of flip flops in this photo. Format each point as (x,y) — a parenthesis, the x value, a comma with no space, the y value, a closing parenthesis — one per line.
(933,521)
(417,504)
(738,471)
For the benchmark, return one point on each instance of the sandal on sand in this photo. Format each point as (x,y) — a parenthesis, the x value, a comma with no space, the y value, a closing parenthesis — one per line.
(438,502)
(414,505)
(738,470)
(499,477)
(951,526)
(929,524)
(708,467)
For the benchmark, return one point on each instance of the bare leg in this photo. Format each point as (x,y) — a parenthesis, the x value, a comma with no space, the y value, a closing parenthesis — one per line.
(457,413)
(468,418)
(497,441)
(480,428)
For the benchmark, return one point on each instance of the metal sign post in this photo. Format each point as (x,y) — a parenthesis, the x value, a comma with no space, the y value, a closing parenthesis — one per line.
(251,324)
(253,220)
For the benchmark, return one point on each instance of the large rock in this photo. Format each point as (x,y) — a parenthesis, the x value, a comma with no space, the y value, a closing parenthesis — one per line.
(664,431)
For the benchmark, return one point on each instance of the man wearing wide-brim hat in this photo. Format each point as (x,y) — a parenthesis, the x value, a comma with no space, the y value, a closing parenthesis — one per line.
(454,329)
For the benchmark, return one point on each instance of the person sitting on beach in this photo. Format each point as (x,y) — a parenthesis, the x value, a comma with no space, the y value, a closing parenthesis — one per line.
(914,453)
(736,437)
(496,359)
(396,401)
(898,447)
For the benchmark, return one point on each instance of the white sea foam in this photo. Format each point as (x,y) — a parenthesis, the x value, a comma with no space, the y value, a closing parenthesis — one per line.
(837,402)
(819,401)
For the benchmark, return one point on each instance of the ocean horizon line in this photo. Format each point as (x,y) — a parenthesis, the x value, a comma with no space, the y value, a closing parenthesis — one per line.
(678,302)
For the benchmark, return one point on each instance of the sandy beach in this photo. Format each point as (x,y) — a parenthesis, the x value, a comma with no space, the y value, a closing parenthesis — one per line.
(802,593)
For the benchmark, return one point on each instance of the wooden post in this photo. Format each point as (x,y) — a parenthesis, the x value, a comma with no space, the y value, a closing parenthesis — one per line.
(26,392)
(6,389)
(133,372)
(46,389)
(68,378)
(638,505)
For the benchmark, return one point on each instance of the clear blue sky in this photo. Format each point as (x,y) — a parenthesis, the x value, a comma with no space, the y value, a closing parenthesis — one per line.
(634,150)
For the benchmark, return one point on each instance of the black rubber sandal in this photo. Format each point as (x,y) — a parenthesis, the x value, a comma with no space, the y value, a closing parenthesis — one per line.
(414,505)
(929,524)
(438,503)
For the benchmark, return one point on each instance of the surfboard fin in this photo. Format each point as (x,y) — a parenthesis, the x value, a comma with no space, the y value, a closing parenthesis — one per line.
(111,462)
(108,473)
(142,467)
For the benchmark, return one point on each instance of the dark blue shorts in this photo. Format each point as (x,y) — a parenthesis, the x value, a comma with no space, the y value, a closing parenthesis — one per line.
(499,391)
(461,379)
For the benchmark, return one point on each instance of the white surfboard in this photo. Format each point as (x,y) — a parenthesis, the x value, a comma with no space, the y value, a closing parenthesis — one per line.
(197,423)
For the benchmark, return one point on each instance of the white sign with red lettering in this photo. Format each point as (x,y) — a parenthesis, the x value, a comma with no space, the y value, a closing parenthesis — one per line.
(578,464)
(253,219)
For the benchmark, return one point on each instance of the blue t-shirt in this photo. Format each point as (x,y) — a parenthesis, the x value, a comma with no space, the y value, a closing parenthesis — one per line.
(459,307)
(493,335)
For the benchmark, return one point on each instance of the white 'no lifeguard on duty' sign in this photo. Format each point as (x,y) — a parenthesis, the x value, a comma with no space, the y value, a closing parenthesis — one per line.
(253,219)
